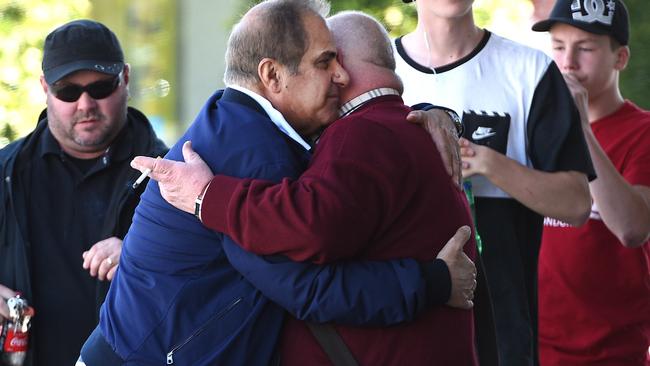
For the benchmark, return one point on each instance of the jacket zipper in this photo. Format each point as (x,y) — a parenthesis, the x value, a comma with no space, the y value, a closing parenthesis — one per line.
(170,354)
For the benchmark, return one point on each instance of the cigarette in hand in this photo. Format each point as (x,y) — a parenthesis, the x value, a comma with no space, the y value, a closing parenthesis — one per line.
(143,176)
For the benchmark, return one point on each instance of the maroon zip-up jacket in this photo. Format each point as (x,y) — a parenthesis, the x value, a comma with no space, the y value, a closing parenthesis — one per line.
(376,189)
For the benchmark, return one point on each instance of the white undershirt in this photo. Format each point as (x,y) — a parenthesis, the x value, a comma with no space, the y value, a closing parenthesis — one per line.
(274,114)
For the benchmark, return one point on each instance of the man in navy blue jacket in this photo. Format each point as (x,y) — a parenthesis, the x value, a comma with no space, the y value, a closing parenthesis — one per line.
(176,298)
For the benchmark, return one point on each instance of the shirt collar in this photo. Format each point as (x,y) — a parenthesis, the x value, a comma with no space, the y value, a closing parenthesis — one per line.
(274,114)
(357,102)
(48,144)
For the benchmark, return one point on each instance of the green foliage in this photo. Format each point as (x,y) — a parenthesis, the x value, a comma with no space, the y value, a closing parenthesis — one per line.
(13,13)
(8,132)
(23,25)
(397,17)
(400,18)
(635,79)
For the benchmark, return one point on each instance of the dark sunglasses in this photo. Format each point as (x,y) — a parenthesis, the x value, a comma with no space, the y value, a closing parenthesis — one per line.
(97,90)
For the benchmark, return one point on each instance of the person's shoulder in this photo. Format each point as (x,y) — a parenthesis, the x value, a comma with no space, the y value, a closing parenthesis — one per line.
(350,128)
(15,146)
(641,117)
(518,65)
(28,141)
(629,123)
(10,150)
(636,117)
(147,141)
(8,157)
(376,115)
(642,113)
(377,125)
(514,53)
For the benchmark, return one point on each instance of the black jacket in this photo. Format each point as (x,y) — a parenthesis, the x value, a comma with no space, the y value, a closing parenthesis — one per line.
(14,245)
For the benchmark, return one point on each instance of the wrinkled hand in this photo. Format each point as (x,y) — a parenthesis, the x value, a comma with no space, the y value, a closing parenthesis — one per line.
(477,159)
(102,258)
(461,269)
(5,293)
(443,132)
(180,182)
(580,96)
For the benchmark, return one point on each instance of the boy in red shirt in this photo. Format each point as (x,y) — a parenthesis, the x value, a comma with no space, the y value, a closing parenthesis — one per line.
(594,280)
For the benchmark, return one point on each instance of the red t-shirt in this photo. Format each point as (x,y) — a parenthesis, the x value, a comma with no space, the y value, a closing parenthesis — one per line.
(594,294)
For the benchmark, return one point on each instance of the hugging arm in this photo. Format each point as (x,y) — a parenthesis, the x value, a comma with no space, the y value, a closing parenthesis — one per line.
(353,293)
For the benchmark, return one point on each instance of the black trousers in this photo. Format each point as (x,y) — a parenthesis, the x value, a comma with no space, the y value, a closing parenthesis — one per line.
(511,236)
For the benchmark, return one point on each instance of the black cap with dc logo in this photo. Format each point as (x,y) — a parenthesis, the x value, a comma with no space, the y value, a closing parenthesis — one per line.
(607,17)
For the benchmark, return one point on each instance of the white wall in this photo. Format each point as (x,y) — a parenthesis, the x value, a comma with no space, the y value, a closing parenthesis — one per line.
(203,29)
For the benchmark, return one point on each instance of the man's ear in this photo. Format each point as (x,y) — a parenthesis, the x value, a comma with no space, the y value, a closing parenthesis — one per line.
(270,73)
(622,57)
(44,84)
(125,73)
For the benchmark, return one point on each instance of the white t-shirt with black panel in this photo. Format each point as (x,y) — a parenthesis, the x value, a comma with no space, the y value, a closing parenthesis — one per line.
(513,99)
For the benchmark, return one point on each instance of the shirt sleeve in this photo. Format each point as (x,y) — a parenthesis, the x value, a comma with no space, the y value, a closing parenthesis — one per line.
(352,293)
(555,138)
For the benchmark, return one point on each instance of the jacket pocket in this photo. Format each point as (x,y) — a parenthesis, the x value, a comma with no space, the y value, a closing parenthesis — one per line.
(196,334)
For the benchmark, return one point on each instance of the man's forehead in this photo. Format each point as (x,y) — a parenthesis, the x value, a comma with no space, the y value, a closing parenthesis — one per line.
(316,25)
(562,31)
(560,37)
(320,38)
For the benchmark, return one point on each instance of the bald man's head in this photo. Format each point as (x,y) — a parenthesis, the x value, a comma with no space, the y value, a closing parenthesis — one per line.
(366,53)
(360,36)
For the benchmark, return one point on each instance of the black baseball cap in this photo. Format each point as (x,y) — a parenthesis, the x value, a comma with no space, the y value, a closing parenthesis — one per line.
(81,45)
(608,17)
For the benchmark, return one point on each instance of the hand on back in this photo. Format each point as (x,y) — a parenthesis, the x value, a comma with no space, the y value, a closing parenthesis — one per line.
(461,270)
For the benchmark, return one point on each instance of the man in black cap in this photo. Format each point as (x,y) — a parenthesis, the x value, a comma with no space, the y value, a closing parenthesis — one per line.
(594,299)
(68,197)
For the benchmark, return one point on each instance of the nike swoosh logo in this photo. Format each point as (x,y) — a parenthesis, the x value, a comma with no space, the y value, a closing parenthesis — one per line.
(480,135)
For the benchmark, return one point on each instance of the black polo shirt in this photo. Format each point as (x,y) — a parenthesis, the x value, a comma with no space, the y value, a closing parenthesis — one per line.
(68,199)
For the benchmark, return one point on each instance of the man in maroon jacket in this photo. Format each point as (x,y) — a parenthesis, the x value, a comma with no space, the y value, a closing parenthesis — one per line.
(374,183)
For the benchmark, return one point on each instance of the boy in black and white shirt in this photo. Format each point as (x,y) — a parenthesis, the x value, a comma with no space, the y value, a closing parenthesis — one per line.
(522,148)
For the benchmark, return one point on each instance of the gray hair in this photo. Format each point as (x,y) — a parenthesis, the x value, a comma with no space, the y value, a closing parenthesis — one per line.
(363,35)
(272,29)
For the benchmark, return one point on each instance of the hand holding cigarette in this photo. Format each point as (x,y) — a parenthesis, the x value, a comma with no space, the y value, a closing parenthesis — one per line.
(144,174)
(180,182)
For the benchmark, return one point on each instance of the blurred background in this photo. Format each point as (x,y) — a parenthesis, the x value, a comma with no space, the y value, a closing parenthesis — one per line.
(176,49)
